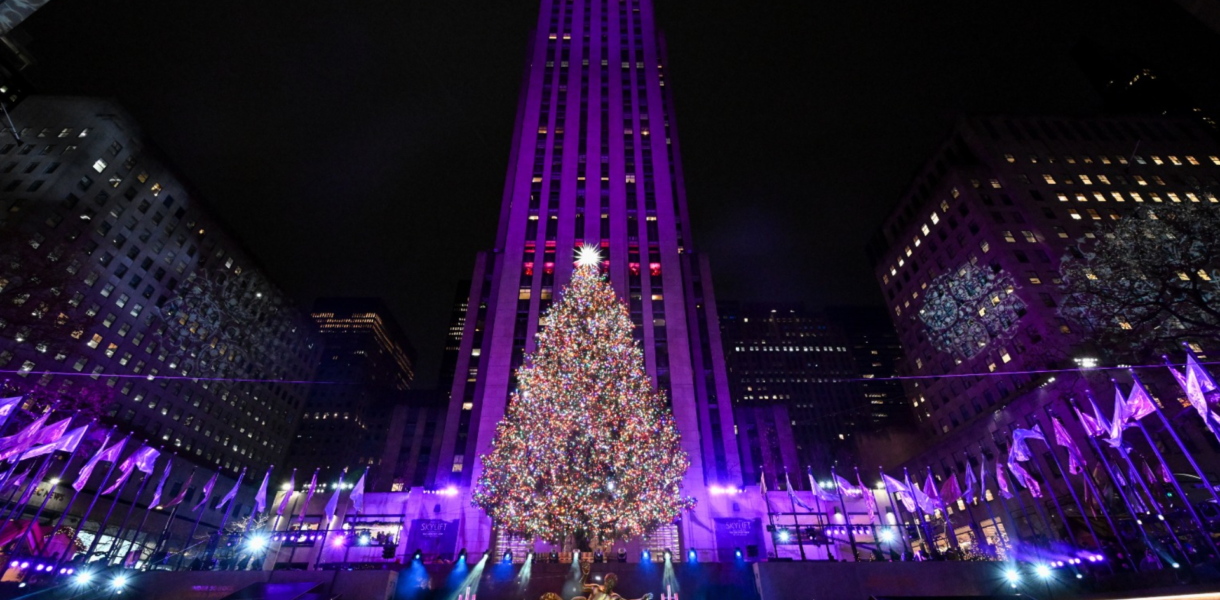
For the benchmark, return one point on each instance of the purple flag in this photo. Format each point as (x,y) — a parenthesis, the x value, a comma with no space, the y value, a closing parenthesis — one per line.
(1023,476)
(233,492)
(156,499)
(870,502)
(1102,422)
(950,492)
(1020,448)
(929,490)
(207,492)
(142,459)
(333,504)
(971,481)
(110,454)
(1140,404)
(7,407)
(313,485)
(292,484)
(1198,382)
(18,442)
(846,487)
(67,443)
(1091,426)
(1002,481)
(1075,458)
(1121,414)
(260,497)
(1206,383)
(182,493)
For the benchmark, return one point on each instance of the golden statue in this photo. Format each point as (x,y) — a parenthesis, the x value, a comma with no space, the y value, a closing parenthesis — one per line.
(595,591)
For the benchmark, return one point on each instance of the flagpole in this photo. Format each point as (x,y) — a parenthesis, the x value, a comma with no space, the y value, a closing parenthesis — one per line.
(24,499)
(795,522)
(149,508)
(1092,484)
(851,536)
(872,506)
(106,521)
(1016,527)
(38,513)
(980,537)
(898,522)
(1189,457)
(331,517)
(135,500)
(167,531)
(1067,482)
(250,521)
(225,520)
(923,523)
(203,507)
(92,503)
(950,530)
(1135,473)
(1038,509)
(982,495)
(818,517)
(1050,491)
(1105,462)
(4,483)
(1174,482)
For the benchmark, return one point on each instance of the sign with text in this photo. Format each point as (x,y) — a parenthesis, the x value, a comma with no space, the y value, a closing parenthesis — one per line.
(744,534)
(432,536)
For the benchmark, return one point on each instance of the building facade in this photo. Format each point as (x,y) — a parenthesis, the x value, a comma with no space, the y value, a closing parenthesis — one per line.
(968,261)
(782,355)
(877,353)
(118,284)
(595,160)
(367,364)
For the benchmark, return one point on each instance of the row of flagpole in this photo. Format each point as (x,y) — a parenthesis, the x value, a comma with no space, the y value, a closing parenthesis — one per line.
(39,441)
(1135,490)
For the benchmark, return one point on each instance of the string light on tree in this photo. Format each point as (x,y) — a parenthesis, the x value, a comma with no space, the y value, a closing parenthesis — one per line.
(587,446)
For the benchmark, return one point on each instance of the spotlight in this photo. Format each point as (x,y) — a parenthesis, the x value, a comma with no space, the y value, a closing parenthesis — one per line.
(1042,571)
(118,583)
(419,555)
(257,543)
(887,535)
(82,578)
(691,556)
(622,555)
(784,536)
(599,557)
(1012,576)
(25,565)
(554,556)
(645,556)
(508,556)
(1176,565)
(737,553)
(364,539)
(462,555)
(1079,576)
(668,555)
(15,564)
(339,541)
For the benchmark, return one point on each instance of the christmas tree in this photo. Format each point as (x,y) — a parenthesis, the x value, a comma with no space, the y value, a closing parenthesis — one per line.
(587,447)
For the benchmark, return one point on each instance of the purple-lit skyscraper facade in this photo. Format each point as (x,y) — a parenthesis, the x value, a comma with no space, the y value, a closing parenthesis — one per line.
(1003,200)
(595,160)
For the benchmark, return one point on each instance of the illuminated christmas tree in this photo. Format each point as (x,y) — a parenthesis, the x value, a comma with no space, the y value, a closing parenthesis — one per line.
(587,447)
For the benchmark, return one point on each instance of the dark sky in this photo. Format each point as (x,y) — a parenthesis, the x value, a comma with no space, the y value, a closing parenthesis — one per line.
(359,148)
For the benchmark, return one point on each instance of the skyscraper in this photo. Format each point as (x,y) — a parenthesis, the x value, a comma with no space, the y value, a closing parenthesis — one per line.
(595,160)
(367,364)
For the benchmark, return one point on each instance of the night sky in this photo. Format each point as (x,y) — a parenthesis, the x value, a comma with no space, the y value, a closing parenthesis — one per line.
(359,148)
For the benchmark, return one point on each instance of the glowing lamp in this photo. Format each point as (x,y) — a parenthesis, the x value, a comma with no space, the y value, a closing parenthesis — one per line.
(257,543)
(1012,576)
(1042,571)
(118,583)
(737,553)
(691,556)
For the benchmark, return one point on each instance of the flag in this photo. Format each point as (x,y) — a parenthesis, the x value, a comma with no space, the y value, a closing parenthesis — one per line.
(19,478)
(1206,383)
(67,443)
(1025,479)
(292,484)
(233,492)
(260,497)
(1198,383)
(182,491)
(1121,414)
(207,492)
(110,454)
(950,492)
(971,481)
(983,477)
(1001,480)
(894,484)
(929,490)
(1103,424)
(1166,474)
(901,490)
(357,496)
(1140,403)
(169,464)
(29,491)
(1020,449)
(51,433)
(142,459)
(1075,459)
(870,502)
(313,485)
(18,442)
(845,486)
(8,406)
(333,504)
(1091,426)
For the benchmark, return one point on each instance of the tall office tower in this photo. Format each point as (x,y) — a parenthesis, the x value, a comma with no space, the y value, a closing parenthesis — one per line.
(412,429)
(453,337)
(968,259)
(781,355)
(595,160)
(876,351)
(366,365)
(139,289)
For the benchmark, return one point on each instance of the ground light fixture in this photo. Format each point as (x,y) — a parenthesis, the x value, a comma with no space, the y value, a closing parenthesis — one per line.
(83,578)
(737,553)
(1013,576)
(257,543)
(669,556)
(691,556)
(118,583)
(1043,571)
